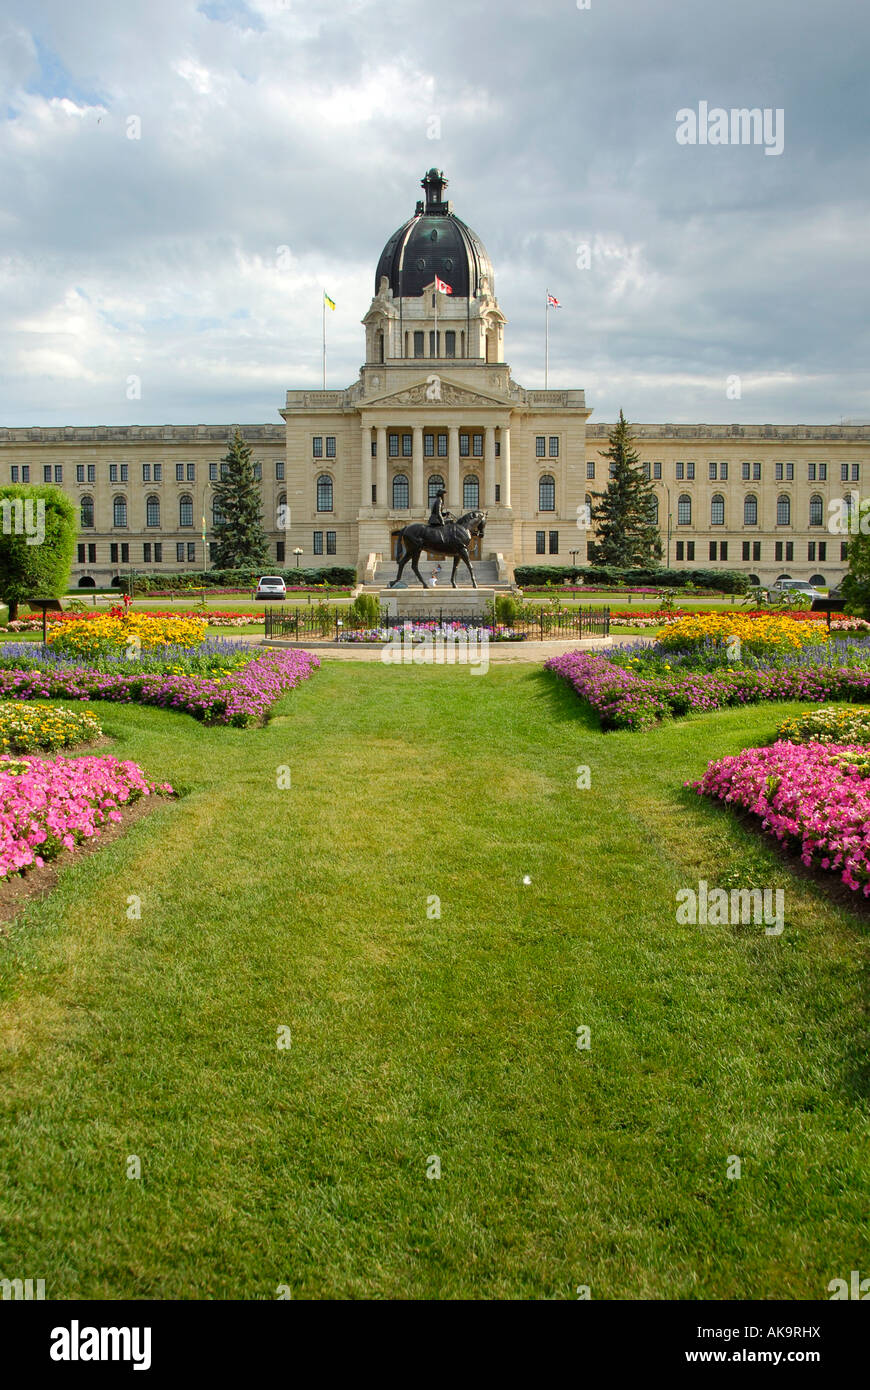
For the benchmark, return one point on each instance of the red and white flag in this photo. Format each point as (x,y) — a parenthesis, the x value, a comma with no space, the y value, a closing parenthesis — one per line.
(442,286)
(553,301)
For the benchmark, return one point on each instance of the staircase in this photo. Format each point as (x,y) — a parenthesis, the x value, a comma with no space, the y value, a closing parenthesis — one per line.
(485,572)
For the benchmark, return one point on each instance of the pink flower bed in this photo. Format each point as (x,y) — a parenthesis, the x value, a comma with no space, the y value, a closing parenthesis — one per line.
(50,804)
(801,796)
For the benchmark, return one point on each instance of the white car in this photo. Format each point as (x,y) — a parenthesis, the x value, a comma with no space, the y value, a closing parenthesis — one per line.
(271,587)
(794,586)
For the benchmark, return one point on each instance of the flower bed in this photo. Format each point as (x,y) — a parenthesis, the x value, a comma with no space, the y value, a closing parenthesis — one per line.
(240,697)
(107,633)
(624,699)
(214,618)
(810,795)
(638,617)
(828,726)
(757,635)
(47,805)
(27,728)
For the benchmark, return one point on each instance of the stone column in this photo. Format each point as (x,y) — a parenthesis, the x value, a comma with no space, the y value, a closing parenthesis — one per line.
(383,500)
(417,502)
(365,460)
(453,498)
(489,468)
(505,466)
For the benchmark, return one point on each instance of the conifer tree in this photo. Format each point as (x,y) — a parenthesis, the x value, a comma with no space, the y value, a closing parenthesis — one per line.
(627,534)
(241,542)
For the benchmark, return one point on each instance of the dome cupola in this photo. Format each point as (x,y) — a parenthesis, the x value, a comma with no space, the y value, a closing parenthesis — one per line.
(435,242)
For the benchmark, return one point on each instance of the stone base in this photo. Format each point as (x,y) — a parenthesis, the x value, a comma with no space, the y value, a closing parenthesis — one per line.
(418,602)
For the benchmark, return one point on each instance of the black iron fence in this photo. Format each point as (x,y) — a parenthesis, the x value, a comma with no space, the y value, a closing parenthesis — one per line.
(536,624)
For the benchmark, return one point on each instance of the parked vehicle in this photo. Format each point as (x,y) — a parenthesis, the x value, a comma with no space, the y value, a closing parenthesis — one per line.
(798,587)
(270,586)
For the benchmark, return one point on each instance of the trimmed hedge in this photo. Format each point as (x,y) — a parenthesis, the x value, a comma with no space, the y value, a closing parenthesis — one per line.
(342,576)
(725,581)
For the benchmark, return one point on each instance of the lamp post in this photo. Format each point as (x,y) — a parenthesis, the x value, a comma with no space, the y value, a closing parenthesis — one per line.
(574,554)
(297,552)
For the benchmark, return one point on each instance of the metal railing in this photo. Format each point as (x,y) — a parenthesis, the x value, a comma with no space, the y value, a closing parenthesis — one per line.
(297,624)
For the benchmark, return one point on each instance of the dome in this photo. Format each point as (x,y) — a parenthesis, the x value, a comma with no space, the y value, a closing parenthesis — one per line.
(434,242)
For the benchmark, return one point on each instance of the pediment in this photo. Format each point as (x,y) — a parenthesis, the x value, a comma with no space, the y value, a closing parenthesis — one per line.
(437,390)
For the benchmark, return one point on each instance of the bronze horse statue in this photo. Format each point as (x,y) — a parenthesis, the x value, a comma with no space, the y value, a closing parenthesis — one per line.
(453,538)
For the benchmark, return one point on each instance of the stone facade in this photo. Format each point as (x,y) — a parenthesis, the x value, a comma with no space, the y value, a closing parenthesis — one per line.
(435,405)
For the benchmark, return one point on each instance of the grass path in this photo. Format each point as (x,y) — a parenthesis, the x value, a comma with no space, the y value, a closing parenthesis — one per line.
(414,1036)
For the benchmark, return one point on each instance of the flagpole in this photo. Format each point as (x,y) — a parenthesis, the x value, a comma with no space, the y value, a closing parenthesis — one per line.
(323,311)
(436,317)
(547,342)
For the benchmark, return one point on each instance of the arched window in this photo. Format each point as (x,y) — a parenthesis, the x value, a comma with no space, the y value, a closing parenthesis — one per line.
(848,503)
(401,494)
(435,483)
(87,511)
(119,511)
(750,510)
(324,493)
(684,510)
(717,509)
(654,510)
(754,579)
(817,510)
(783,510)
(546,493)
(470,493)
(152,511)
(818,580)
(185,510)
(217,515)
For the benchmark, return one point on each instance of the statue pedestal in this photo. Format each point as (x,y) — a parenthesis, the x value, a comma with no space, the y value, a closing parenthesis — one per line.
(417,602)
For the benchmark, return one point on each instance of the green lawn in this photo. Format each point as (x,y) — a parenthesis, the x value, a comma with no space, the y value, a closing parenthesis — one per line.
(414,1036)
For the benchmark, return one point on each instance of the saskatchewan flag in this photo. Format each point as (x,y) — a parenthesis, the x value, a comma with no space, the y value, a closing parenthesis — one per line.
(329,302)
(203,530)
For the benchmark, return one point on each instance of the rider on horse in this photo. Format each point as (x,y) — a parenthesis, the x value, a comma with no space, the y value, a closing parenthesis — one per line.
(438,517)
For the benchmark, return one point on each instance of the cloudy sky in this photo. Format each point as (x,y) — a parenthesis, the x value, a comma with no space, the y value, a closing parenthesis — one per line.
(278,143)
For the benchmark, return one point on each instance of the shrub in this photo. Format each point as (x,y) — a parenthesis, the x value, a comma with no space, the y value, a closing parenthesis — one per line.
(39,570)
(507,609)
(721,581)
(365,611)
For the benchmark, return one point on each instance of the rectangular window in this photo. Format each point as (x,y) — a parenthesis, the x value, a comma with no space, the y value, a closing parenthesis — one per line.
(823,472)
(690,550)
(374,495)
(746,549)
(554,542)
(844,472)
(711,470)
(823,550)
(179,552)
(179,472)
(723,550)
(374,448)
(777,550)
(463,446)
(146,552)
(125,552)
(647,470)
(158,552)
(541,446)
(158,473)
(744,471)
(58,472)
(280,550)
(393,446)
(811,472)
(418,344)
(844,550)
(498,492)
(590,470)
(811,550)
(680,550)
(25,472)
(690,470)
(317,446)
(46,472)
(712,550)
(477,446)
(789,472)
(498,449)
(191,472)
(212,552)
(778,472)
(611,470)
(13,472)
(756,550)
(540,542)
(213,473)
(723,472)
(279,470)
(679,471)
(80,472)
(318,542)
(258,470)
(449,343)
(756,472)
(330,446)
(113,472)
(433,346)
(428,446)
(80,554)
(92,554)
(191,551)
(856,472)
(113,553)
(407,445)
(442,446)
(789,550)
(125,473)
(146,472)
(657,470)
(330,542)
(554,446)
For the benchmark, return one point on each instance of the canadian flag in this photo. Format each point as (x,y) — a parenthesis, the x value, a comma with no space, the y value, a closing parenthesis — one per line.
(442,286)
(553,301)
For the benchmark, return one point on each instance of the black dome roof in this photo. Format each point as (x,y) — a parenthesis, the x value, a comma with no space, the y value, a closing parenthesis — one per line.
(434,242)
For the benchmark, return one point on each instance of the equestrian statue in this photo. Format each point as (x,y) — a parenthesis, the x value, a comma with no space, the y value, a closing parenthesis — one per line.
(444,535)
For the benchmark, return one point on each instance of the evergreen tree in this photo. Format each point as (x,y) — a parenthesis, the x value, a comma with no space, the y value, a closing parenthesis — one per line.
(241,542)
(856,584)
(627,534)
